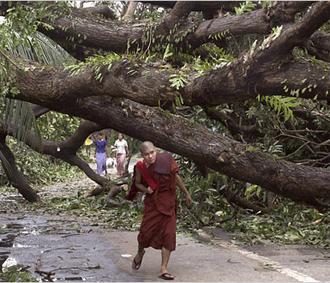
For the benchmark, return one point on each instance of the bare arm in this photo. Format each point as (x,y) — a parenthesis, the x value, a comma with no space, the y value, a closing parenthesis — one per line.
(183,188)
(139,185)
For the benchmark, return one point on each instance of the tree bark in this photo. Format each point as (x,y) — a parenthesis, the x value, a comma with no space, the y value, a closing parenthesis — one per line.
(319,46)
(129,14)
(67,150)
(203,6)
(240,81)
(16,178)
(248,131)
(260,21)
(300,183)
(244,203)
(102,10)
(92,35)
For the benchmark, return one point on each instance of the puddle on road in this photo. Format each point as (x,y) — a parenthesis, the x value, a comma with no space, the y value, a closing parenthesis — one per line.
(3,258)
(7,240)
(56,247)
(53,249)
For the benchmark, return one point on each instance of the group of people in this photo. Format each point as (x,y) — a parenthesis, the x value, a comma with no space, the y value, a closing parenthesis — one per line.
(120,147)
(157,177)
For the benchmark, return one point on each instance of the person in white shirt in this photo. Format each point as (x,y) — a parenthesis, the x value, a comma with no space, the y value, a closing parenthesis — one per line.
(121,152)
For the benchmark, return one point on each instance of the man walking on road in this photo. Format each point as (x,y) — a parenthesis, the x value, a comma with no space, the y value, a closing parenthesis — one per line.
(157,176)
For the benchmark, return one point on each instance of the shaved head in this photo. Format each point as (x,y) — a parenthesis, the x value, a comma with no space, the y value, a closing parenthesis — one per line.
(148,152)
(146,146)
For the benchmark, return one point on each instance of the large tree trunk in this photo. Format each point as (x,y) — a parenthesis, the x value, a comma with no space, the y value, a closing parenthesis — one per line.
(176,134)
(15,177)
(300,183)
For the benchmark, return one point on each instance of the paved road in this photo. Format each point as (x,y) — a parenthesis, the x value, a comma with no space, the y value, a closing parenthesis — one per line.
(74,250)
(79,251)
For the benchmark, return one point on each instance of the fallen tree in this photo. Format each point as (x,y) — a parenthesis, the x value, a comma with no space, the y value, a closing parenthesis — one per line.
(138,98)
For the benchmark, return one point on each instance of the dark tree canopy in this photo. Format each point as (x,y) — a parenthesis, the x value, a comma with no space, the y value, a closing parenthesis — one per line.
(211,81)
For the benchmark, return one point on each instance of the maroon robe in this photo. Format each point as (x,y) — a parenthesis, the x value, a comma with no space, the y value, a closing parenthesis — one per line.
(158,227)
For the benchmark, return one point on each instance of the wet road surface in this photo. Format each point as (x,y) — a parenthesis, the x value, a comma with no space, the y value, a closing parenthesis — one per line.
(76,251)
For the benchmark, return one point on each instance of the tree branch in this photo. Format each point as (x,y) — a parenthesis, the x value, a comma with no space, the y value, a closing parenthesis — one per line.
(39,110)
(243,203)
(150,85)
(16,178)
(179,12)
(319,45)
(129,14)
(260,21)
(66,150)
(203,6)
(102,10)
(176,134)
(249,131)
(293,36)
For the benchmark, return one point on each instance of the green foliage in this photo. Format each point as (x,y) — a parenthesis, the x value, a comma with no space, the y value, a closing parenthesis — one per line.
(17,274)
(217,59)
(168,52)
(281,105)
(265,4)
(208,202)
(148,12)
(57,126)
(303,54)
(252,190)
(276,31)
(126,217)
(155,46)
(274,148)
(220,35)
(248,6)
(19,117)
(19,32)
(21,24)
(41,169)
(178,80)
(288,223)
(96,63)
(201,66)
(299,138)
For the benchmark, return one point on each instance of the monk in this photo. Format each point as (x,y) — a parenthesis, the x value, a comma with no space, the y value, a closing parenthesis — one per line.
(157,176)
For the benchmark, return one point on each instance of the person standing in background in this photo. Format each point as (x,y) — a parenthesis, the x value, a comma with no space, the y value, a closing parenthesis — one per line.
(121,153)
(88,143)
(101,154)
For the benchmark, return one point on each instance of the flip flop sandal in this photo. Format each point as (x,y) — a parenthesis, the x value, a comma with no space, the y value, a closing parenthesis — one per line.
(137,264)
(166,276)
